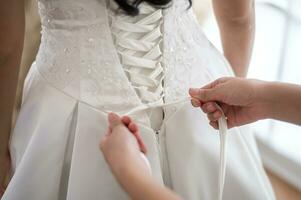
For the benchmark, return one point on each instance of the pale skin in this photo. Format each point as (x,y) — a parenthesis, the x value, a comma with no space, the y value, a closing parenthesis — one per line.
(121,147)
(242,100)
(235,19)
(247,100)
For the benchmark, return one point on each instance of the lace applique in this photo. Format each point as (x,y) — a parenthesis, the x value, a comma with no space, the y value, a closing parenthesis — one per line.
(188,55)
(77,55)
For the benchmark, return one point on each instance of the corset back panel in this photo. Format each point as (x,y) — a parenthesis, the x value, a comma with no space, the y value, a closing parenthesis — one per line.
(191,60)
(77,54)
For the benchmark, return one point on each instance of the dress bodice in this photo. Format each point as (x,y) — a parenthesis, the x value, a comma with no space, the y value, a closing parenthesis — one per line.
(77,54)
(111,61)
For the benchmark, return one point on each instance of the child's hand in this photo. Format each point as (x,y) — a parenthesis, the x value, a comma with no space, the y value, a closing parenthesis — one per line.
(122,146)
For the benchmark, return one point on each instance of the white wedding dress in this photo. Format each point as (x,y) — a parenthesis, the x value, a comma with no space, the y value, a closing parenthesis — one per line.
(93,59)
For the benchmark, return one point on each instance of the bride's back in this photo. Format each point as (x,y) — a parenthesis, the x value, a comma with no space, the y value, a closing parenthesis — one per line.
(79,53)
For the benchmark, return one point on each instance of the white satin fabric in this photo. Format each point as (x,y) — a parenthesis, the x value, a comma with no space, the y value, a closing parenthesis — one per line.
(79,75)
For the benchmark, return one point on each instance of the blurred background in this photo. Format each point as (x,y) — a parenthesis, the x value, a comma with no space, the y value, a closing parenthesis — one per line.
(276,57)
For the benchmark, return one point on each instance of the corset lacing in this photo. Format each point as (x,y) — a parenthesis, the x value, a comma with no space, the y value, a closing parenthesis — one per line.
(138,43)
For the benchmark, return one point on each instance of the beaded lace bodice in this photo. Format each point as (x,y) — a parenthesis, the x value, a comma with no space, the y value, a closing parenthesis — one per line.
(115,62)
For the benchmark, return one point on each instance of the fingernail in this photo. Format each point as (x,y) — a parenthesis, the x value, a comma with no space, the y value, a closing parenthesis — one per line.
(211,124)
(193,91)
(195,102)
(216,114)
(113,117)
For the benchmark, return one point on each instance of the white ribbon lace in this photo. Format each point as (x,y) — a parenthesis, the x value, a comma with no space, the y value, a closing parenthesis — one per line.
(222,123)
(138,41)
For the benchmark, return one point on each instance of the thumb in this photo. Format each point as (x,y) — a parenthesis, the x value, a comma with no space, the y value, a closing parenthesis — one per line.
(205,95)
(114,120)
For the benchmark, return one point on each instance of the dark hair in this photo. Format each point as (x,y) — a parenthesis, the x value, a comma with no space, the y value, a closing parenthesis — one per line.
(132,8)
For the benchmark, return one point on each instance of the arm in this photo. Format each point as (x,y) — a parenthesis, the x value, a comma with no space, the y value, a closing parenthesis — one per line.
(122,146)
(236,20)
(244,101)
(283,101)
(11,44)
(141,186)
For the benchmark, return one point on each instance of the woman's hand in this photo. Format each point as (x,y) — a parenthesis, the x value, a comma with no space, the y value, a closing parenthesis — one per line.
(239,99)
(122,147)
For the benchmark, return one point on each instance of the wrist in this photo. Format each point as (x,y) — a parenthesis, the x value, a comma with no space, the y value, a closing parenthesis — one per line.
(133,180)
(265,99)
(131,172)
(125,171)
